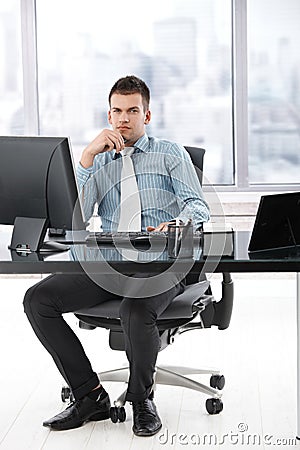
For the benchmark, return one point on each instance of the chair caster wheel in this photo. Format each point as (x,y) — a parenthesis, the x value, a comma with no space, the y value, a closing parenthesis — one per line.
(214,405)
(117,414)
(122,414)
(217,381)
(66,394)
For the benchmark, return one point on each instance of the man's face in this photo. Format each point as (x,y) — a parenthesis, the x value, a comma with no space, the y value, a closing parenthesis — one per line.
(127,116)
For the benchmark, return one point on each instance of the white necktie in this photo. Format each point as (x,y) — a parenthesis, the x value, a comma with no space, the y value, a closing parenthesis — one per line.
(130,207)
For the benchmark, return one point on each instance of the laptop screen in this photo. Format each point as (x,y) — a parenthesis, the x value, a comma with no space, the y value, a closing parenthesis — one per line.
(277,223)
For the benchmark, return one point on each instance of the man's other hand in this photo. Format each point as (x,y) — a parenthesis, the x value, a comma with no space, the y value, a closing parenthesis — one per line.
(161,227)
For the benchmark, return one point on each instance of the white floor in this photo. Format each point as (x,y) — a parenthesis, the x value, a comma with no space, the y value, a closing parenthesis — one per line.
(257,355)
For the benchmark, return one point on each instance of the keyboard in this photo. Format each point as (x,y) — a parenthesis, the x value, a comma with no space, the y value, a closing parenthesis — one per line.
(135,238)
(123,238)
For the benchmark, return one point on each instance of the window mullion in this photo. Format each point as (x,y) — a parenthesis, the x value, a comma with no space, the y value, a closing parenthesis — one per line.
(30,72)
(240,92)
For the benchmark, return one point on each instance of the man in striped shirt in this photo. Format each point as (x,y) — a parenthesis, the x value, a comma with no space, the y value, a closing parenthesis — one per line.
(168,188)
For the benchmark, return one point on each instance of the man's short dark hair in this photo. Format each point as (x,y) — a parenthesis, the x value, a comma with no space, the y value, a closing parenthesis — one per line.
(131,85)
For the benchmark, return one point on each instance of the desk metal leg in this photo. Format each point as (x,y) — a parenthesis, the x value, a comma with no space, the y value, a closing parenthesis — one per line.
(298,355)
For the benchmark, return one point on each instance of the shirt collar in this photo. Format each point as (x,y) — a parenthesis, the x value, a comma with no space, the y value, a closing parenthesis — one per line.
(143,144)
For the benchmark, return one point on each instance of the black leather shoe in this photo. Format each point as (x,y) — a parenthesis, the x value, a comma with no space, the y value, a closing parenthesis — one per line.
(146,421)
(79,412)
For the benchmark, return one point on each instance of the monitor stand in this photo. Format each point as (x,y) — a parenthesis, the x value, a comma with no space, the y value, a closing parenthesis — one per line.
(53,246)
(28,236)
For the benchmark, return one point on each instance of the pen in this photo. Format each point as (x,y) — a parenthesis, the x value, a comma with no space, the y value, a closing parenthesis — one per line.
(184,232)
(176,243)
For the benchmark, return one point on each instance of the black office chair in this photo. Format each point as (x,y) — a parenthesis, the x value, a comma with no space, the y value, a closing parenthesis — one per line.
(194,309)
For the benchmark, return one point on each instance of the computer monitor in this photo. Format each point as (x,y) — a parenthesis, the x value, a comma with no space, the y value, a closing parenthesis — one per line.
(277,223)
(38,190)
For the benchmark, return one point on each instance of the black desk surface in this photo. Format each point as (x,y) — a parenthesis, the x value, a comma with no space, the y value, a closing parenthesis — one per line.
(94,260)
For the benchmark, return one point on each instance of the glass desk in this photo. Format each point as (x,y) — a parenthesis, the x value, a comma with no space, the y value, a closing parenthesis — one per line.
(149,261)
(92,260)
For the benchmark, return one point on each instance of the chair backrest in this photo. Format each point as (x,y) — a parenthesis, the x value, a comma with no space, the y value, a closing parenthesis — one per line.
(197,157)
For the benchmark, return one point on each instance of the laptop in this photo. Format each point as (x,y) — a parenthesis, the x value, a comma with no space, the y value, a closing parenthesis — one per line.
(277,223)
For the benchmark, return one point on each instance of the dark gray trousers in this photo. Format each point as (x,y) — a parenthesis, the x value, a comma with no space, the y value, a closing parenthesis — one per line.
(47,301)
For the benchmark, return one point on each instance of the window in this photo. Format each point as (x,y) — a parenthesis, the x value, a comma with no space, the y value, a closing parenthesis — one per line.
(203,59)
(274,91)
(181,48)
(11,86)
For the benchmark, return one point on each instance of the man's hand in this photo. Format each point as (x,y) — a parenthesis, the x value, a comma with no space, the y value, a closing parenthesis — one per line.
(161,227)
(106,141)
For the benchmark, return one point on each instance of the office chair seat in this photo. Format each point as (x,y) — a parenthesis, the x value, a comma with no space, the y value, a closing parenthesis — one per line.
(195,308)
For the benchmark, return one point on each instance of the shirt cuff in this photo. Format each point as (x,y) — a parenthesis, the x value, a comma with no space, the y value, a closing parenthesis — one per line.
(84,173)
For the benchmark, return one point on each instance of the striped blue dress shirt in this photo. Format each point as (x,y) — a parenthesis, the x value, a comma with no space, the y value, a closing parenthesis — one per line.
(167,181)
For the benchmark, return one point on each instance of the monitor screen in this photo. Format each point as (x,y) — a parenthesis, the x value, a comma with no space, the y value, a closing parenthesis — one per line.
(277,223)
(37,181)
